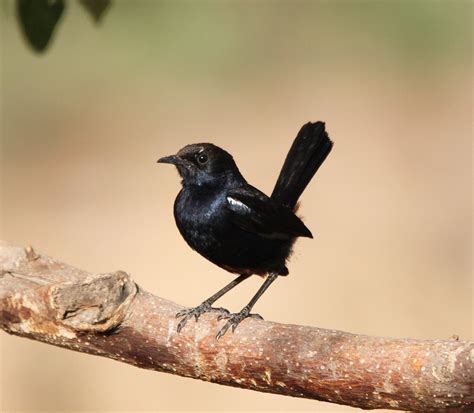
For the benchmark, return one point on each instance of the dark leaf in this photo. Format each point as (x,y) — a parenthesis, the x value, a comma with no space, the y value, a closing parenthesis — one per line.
(96,8)
(38,18)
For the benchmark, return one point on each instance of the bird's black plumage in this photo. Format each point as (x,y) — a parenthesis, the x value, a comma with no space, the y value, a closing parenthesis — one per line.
(236,226)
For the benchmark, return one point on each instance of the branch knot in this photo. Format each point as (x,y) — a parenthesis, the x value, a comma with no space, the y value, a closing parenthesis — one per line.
(97,303)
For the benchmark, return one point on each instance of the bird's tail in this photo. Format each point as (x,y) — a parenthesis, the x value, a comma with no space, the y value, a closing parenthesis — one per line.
(309,150)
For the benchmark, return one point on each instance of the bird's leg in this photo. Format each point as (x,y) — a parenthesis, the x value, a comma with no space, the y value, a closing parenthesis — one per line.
(233,320)
(206,306)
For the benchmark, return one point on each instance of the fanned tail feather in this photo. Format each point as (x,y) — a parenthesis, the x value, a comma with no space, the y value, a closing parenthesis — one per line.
(309,150)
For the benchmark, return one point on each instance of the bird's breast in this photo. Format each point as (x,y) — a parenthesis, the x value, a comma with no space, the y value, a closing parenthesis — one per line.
(199,217)
(198,209)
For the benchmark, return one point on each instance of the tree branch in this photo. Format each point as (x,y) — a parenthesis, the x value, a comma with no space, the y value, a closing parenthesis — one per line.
(110,316)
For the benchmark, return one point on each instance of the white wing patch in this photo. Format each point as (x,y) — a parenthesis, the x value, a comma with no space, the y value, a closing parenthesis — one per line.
(237,205)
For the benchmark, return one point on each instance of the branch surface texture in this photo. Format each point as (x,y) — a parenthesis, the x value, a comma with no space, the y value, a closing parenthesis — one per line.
(110,316)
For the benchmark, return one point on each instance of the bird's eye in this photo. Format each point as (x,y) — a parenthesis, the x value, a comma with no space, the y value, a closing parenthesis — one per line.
(202,158)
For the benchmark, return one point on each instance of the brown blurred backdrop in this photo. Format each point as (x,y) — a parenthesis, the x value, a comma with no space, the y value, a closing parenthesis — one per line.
(83,124)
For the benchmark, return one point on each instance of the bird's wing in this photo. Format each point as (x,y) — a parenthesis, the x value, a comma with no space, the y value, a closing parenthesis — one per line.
(255,212)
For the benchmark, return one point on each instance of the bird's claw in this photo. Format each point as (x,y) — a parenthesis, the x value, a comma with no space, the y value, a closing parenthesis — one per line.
(233,320)
(196,312)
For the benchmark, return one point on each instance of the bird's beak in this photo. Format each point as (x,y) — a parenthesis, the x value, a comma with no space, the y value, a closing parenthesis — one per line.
(173,159)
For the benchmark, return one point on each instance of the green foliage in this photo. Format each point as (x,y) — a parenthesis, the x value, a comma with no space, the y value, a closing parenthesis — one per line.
(96,8)
(39,18)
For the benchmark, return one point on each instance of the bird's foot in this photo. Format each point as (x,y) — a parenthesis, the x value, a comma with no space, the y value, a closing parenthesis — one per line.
(233,320)
(197,312)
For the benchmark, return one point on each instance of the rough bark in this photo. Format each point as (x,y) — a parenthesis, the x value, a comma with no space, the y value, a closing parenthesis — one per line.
(110,316)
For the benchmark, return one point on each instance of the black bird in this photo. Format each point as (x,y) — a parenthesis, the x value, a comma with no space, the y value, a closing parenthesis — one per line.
(236,226)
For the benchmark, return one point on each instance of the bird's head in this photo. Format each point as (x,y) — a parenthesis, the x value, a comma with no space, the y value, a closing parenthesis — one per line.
(204,164)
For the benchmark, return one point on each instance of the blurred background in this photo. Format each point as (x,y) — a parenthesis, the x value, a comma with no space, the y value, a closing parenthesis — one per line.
(83,123)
